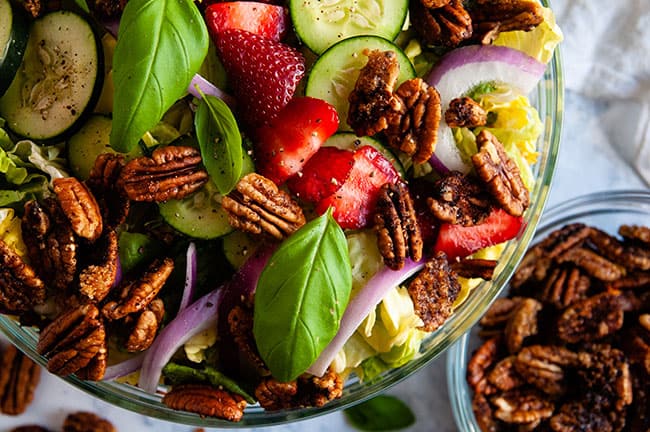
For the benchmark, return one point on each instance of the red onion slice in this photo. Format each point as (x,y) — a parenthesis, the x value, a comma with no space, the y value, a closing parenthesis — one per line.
(190,277)
(123,368)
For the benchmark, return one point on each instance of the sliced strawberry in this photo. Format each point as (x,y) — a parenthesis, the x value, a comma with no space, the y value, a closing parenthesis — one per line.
(284,145)
(355,200)
(263,73)
(460,241)
(262,19)
(322,175)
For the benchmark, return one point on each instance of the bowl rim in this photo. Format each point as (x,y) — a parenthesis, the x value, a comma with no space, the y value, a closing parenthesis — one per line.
(601,202)
(550,103)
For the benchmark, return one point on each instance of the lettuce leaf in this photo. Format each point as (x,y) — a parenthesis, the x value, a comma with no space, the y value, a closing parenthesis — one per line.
(10,231)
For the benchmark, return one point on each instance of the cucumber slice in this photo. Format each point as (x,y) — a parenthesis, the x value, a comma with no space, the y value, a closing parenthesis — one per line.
(59,81)
(335,73)
(321,24)
(14,32)
(349,141)
(238,247)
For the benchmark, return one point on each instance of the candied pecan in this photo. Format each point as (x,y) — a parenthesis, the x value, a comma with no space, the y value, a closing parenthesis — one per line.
(459,199)
(79,206)
(630,257)
(37,8)
(491,17)
(497,316)
(592,318)
(82,421)
(30,428)
(465,112)
(564,286)
(372,102)
(72,340)
(257,206)
(20,288)
(396,225)
(592,263)
(483,413)
(521,406)
(51,243)
(482,360)
(107,9)
(240,324)
(500,173)
(414,128)
(146,326)
(103,182)
(637,343)
(635,233)
(447,25)
(543,366)
(433,291)
(574,416)
(640,408)
(172,172)
(135,295)
(504,376)
(97,277)
(562,240)
(635,280)
(533,267)
(274,395)
(306,391)
(606,373)
(19,376)
(474,268)
(521,324)
(206,401)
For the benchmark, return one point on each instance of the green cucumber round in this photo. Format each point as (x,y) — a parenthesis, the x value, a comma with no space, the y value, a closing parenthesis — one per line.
(14,33)
(335,73)
(59,80)
(320,24)
(349,141)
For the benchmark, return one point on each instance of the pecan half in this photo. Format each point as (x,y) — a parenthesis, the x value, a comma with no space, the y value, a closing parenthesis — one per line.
(414,128)
(483,413)
(98,274)
(86,422)
(206,401)
(459,199)
(465,112)
(480,363)
(521,406)
(491,17)
(591,319)
(522,324)
(20,288)
(543,366)
(146,326)
(637,344)
(72,340)
(475,268)
(635,233)
(629,256)
(80,207)
(504,375)
(103,182)
(498,315)
(500,174)
(19,376)
(605,372)
(564,286)
(172,172)
(372,102)
(433,291)
(447,25)
(592,263)
(257,206)
(396,225)
(562,240)
(275,395)
(136,295)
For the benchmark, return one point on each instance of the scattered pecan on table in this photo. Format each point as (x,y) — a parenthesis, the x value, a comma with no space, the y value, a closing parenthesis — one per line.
(19,377)
(83,421)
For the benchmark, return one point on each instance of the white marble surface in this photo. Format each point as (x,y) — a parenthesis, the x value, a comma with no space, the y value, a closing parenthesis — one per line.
(589,161)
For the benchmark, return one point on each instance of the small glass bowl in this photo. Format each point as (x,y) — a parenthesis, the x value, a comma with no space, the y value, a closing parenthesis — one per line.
(548,98)
(606,210)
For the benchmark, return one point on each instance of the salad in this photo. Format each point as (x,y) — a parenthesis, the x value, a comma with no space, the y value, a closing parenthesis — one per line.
(246,202)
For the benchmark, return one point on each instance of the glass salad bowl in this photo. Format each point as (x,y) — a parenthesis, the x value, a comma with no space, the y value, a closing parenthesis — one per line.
(548,99)
(605,210)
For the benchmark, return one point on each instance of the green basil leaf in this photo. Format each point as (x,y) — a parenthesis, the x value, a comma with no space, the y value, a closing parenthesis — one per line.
(381,413)
(83,5)
(301,296)
(160,46)
(220,142)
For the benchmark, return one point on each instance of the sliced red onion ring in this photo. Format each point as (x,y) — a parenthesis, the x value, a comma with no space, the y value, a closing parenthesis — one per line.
(359,307)
(119,273)
(123,368)
(190,277)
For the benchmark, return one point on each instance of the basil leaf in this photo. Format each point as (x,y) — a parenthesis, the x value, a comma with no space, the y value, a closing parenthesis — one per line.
(160,46)
(83,5)
(301,296)
(220,142)
(381,413)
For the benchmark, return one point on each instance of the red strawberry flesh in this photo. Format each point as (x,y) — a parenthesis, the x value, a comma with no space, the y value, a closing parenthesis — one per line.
(265,20)
(322,175)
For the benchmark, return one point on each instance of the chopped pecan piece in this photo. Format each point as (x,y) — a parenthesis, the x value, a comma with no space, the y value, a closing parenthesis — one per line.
(592,263)
(575,416)
(306,391)
(504,375)
(97,277)
(543,366)
(433,291)
(137,294)
(257,206)
(564,286)
(103,182)
(19,376)
(591,319)
(396,225)
(146,326)
(172,172)
(491,17)
(500,174)
(522,324)
(80,207)
(86,422)
(372,102)
(206,401)
(482,360)
(474,268)
(73,340)
(414,128)
(20,288)
(459,199)
(521,406)
(447,25)
(465,112)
